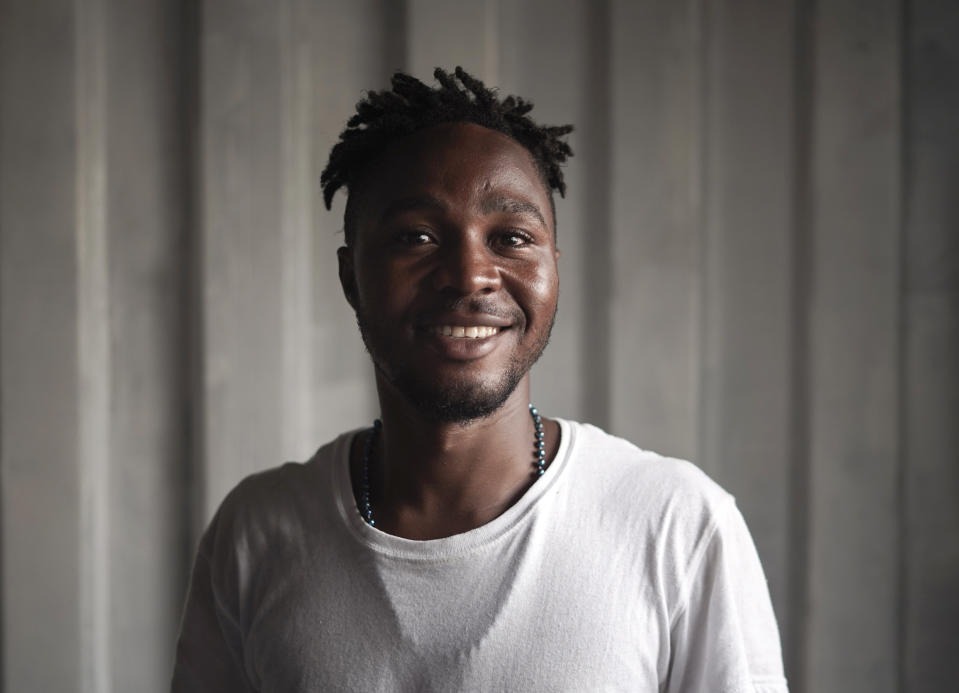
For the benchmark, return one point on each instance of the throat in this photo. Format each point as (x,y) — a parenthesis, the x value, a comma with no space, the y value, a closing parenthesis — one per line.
(410,493)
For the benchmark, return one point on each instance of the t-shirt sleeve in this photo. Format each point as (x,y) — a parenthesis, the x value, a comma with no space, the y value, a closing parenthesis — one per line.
(723,636)
(209,649)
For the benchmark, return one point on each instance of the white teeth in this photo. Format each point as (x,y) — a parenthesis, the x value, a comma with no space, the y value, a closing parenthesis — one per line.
(471,332)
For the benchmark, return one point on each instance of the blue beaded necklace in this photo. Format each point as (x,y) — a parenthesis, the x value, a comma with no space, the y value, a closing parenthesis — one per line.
(366,510)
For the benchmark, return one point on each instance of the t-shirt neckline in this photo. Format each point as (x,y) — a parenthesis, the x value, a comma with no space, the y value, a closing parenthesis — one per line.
(457,544)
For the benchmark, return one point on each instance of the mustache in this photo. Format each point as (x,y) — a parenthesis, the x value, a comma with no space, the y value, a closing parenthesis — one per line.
(473,305)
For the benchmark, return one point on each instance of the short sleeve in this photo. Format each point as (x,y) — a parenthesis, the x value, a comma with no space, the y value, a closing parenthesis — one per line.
(724,637)
(208,652)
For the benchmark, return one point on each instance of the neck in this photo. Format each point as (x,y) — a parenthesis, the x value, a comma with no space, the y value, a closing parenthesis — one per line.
(432,479)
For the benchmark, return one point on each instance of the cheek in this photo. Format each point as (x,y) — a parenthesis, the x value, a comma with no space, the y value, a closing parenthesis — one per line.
(547,281)
(386,289)
(541,288)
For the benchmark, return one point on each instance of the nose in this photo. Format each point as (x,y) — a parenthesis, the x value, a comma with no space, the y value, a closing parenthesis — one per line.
(465,267)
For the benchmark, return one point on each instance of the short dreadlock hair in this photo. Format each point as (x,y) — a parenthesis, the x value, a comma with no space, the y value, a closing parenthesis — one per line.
(384,117)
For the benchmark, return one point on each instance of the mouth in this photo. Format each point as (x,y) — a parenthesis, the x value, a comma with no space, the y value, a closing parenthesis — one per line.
(465,331)
(453,340)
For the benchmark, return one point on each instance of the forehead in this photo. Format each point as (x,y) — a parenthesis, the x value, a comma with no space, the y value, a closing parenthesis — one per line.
(461,163)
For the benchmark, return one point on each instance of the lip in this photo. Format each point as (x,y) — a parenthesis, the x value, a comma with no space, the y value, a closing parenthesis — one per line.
(463,320)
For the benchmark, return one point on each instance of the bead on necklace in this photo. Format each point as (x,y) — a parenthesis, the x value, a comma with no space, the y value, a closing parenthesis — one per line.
(366,510)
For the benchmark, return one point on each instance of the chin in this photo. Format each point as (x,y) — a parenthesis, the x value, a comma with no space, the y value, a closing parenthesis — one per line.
(458,403)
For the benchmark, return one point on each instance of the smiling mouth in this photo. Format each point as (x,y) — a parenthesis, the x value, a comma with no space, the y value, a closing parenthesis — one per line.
(465,331)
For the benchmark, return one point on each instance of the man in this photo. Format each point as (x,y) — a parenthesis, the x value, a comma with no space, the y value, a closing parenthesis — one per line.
(463,542)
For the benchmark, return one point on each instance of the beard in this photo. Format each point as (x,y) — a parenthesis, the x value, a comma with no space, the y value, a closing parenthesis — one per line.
(458,402)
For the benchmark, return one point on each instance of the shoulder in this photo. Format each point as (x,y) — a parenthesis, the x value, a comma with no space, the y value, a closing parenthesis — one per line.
(642,478)
(656,513)
(667,507)
(275,503)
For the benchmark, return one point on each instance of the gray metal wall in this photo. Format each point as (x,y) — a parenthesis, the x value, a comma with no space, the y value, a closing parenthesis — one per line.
(760,272)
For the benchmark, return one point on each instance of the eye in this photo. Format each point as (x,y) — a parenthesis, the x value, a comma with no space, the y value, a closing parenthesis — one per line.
(414,237)
(514,238)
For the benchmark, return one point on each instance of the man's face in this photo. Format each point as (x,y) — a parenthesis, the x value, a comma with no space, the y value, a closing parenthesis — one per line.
(453,269)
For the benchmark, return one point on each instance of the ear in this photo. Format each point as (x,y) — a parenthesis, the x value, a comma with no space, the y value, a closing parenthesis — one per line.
(344,256)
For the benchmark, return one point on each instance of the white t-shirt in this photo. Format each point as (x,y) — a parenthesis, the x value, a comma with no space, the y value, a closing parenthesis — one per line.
(619,570)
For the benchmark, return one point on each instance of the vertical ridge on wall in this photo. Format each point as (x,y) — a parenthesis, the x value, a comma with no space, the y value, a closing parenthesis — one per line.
(796,628)
(189,338)
(930,305)
(148,275)
(394,32)
(854,445)
(902,360)
(746,268)
(655,212)
(93,323)
(242,263)
(596,154)
(295,234)
(39,406)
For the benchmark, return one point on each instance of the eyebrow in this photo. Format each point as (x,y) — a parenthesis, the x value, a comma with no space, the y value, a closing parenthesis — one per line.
(407,204)
(509,205)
